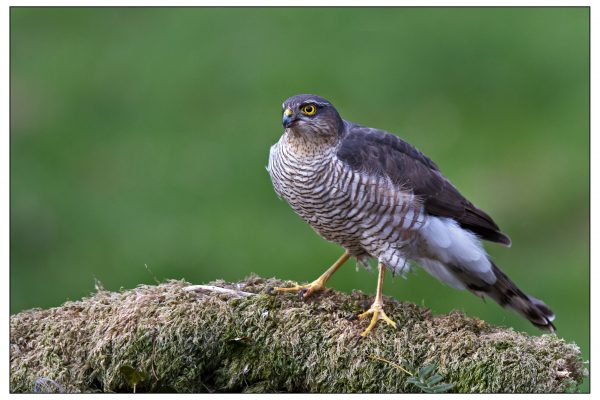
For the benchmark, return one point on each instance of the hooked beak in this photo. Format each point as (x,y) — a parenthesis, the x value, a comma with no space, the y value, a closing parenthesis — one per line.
(288,118)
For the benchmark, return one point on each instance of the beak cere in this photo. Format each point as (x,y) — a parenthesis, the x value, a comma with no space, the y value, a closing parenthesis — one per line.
(288,118)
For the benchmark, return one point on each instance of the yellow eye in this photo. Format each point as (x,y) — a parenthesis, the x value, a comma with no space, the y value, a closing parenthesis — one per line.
(309,109)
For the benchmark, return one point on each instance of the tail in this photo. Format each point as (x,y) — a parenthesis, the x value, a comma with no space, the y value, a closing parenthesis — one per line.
(508,295)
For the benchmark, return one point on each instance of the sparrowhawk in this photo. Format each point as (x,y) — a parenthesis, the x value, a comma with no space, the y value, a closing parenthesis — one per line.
(379,197)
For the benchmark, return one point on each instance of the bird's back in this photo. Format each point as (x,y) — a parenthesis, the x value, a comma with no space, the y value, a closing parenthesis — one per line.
(381,153)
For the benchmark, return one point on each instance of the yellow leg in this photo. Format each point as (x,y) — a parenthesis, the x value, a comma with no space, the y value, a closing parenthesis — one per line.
(377,307)
(319,283)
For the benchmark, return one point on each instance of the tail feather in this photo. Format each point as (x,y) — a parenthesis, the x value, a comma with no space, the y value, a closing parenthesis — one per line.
(508,295)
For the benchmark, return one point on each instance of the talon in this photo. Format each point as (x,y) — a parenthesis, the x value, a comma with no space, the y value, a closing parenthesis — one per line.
(294,288)
(270,291)
(304,291)
(377,311)
(317,285)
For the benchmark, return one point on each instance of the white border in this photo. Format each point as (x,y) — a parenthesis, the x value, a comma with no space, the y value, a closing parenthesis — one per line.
(4,165)
(304,3)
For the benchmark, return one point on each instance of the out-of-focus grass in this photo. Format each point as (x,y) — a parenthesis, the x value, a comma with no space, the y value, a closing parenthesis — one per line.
(139,137)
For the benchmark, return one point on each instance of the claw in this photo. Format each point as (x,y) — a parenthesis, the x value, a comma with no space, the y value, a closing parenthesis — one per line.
(304,291)
(377,311)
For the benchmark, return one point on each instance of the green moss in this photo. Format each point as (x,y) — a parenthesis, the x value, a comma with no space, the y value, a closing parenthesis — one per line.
(181,341)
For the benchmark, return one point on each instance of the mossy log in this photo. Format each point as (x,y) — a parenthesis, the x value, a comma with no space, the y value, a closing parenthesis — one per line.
(175,337)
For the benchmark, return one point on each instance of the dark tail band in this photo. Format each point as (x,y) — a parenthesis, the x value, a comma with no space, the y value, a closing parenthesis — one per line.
(508,295)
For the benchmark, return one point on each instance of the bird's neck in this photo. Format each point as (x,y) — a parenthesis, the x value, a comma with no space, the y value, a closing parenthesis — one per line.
(308,145)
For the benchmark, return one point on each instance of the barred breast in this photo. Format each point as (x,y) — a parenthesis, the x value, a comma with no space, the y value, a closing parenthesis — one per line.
(365,214)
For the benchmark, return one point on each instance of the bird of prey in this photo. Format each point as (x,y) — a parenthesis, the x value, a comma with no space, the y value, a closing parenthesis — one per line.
(379,197)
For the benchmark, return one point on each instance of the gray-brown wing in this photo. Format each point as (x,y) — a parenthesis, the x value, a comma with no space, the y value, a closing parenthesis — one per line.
(385,154)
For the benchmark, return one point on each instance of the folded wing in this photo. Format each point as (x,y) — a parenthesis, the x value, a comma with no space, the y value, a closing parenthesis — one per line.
(383,153)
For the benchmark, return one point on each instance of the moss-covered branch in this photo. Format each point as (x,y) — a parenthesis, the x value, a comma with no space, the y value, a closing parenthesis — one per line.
(166,338)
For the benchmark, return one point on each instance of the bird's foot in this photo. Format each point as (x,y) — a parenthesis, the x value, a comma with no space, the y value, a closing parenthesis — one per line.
(304,291)
(377,311)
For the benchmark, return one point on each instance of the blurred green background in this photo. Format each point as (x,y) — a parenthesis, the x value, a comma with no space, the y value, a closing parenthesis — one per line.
(139,139)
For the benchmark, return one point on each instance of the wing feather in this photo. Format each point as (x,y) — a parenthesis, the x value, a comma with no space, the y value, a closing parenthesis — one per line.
(385,154)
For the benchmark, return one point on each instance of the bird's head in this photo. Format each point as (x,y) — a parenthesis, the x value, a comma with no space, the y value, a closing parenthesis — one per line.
(312,117)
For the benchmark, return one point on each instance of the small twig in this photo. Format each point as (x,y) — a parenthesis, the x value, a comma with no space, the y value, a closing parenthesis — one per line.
(209,288)
(152,274)
(393,364)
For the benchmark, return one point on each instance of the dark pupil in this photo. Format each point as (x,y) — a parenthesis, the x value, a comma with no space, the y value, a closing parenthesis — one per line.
(309,109)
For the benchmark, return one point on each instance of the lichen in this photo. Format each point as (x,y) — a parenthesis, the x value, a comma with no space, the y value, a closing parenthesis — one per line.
(165,339)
